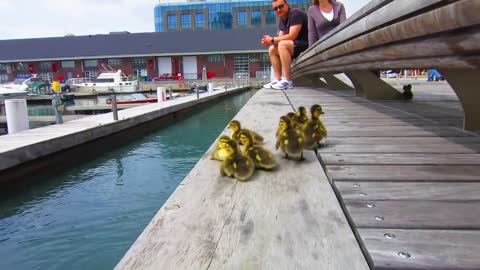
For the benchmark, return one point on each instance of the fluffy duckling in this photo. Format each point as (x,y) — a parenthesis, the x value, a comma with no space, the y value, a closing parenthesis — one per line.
(290,140)
(262,158)
(314,130)
(236,127)
(220,153)
(301,117)
(236,164)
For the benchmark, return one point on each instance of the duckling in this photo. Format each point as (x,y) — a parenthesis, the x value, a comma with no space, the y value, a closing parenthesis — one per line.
(262,158)
(407,92)
(236,165)
(314,130)
(290,140)
(301,118)
(293,121)
(220,153)
(235,126)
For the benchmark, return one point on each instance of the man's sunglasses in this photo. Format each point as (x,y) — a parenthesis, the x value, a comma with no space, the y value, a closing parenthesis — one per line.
(278,7)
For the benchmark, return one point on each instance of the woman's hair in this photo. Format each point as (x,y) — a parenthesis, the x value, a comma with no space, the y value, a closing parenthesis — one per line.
(315,2)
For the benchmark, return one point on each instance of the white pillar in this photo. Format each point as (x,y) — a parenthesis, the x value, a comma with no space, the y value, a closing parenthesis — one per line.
(161,94)
(210,87)
(17,115)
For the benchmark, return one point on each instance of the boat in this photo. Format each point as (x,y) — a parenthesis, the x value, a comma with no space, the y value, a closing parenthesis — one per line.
(138,98)
(107,82)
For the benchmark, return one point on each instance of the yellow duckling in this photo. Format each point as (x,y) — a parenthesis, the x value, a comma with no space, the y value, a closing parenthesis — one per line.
(290,140)
(314,130)
(235,126)
(220,153)
(262,158)
(301,117)
(293,121)
(236,164)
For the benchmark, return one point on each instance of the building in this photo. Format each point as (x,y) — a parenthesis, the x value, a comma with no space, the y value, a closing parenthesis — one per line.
(184,44)
(217,14)
(221,52)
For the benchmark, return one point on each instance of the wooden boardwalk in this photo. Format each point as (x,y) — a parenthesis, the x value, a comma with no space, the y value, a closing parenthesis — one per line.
(407,175)
(407,180)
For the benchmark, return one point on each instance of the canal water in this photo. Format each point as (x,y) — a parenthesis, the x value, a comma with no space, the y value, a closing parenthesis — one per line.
(88,216)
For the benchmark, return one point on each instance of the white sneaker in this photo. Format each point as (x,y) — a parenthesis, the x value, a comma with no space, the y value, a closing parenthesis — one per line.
(283,85)
(270,84)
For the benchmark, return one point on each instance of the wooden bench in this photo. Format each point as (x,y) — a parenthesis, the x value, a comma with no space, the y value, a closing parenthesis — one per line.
(397,34)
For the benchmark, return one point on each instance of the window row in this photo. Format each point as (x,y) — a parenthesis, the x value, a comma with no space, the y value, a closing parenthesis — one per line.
(220,20)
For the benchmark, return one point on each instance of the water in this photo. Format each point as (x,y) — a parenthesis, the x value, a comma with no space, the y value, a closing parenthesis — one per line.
(88,216)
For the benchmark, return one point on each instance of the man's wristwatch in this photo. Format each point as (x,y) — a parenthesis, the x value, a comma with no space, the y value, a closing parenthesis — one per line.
(273,41)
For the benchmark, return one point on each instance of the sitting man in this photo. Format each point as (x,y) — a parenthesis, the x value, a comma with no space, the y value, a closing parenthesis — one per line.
(292,40)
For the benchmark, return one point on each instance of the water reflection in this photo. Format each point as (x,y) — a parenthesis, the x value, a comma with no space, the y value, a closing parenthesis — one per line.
(87,216)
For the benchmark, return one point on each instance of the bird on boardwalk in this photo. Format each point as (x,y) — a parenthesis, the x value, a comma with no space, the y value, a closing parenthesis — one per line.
(407,92)
(290,140)
(236,127)
(236,165)
(302,117)
(314,130)
(262,158)
(220,153)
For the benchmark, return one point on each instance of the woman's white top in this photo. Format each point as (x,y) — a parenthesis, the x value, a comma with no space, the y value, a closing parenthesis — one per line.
(328,15)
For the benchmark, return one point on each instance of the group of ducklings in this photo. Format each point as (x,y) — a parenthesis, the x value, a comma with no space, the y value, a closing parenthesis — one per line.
(296,132)
(239,163)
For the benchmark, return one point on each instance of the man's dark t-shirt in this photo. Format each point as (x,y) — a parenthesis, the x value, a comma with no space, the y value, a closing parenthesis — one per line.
(296,16)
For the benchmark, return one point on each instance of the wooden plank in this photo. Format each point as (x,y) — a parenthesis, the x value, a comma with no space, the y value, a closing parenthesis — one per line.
(400,159)
(277,220)
(428,249)
(357,191)
(399,147)
(410,214)
(467,142)
(403,173)
(46,118)
(396,133)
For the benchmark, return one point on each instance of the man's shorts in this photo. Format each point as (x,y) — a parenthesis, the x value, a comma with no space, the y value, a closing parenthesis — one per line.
(298,47)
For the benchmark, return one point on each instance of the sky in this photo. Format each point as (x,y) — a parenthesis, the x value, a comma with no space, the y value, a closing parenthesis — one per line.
(54,18)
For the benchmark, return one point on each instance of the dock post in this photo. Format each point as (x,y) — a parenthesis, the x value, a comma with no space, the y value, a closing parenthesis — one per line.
(161,94)
(114,105)
(17,115)
(56,103)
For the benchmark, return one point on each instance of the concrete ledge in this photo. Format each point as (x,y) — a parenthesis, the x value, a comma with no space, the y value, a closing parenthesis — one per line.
(28,145)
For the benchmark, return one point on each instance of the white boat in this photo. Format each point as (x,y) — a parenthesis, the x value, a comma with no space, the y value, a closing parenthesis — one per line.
(106,82)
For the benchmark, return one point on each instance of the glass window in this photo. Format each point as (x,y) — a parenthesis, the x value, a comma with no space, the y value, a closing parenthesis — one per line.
(265,62)
(3,67)
(240,64)
(114,62)
(256,17)
(44,66)
(21,67)
(200,20)
(186,21)
(139,62)
(242,18)
(68,64)
(3,78)
(90,63)
(215,58)
(270,17)
(172,21)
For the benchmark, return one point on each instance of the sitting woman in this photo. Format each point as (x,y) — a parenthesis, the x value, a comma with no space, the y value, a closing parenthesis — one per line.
(323,16)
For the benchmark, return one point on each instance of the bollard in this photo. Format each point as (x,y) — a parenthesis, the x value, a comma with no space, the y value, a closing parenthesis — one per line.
(170,92)
(17,115)
(210,87)
(114,105)
(161,94)
(56,103)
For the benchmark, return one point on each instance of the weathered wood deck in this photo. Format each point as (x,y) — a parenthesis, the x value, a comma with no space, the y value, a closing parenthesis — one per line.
(409,183)
(409,187)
